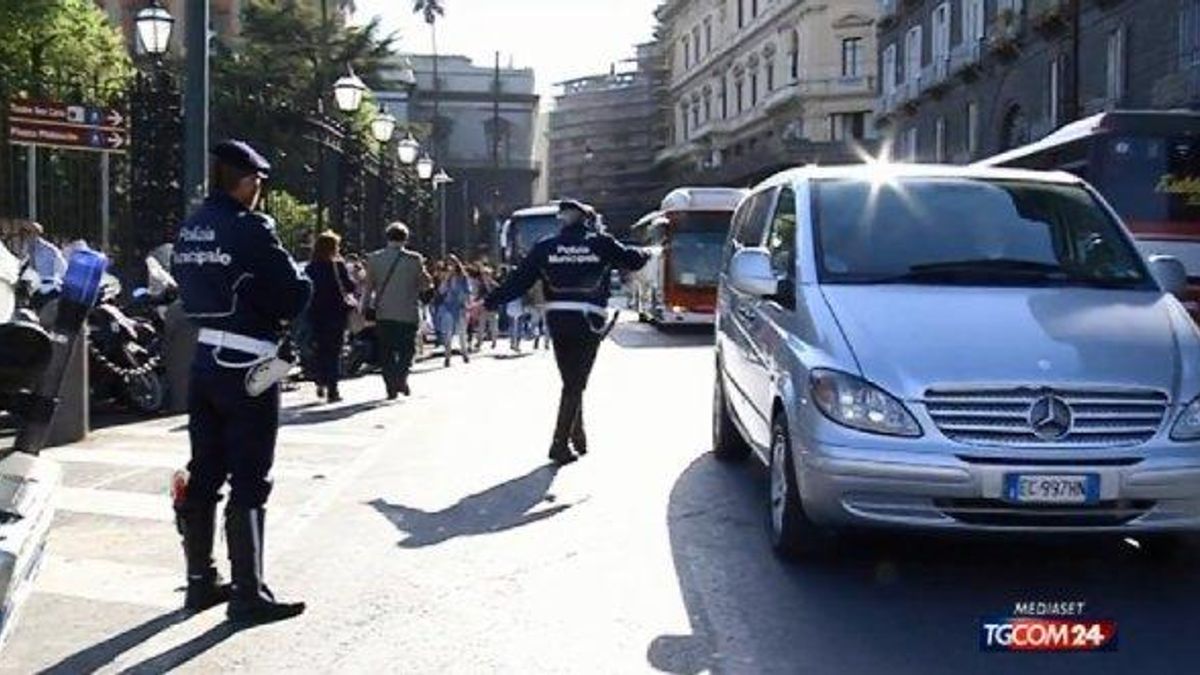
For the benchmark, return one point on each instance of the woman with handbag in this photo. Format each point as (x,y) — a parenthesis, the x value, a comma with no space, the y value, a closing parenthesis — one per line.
(332,302)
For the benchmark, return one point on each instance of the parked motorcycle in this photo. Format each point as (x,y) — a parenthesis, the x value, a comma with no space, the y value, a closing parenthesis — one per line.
(124,364)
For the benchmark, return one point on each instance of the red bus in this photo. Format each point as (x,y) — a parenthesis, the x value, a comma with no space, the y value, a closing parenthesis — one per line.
(1146,164)
(687,236)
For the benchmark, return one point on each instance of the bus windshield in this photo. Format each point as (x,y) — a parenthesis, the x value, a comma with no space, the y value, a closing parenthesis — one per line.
(1153,182)
(525,231)
(697,243)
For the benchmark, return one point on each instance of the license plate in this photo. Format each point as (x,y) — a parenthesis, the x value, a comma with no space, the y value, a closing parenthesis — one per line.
(1025,488)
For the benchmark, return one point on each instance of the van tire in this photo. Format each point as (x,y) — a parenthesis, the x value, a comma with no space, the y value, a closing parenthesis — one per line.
(794,537)
(727,441)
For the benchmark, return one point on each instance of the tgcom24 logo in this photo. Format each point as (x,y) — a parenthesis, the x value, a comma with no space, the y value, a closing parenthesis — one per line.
(1047,627)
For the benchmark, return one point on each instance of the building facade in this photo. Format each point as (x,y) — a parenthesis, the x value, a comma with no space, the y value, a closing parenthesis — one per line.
(603,135)
(485,124)
(759,85)
(965,79)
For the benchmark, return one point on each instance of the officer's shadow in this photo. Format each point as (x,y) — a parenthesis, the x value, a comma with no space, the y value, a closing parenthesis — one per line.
(506,506)
(103,654)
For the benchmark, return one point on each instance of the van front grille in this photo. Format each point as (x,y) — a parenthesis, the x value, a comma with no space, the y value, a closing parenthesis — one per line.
(1005,417)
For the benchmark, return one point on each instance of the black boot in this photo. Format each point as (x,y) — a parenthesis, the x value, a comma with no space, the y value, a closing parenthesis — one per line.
(205,588)
(560,453)
(578,436)
(251,602)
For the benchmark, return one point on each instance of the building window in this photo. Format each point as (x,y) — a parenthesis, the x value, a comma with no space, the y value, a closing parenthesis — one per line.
(848,126)
(972,21)
(724,98)
(794,55)
(941,33)
(708,45)
(741,13)
(972,129)
(687,52)
(753,9)
(740,95)
(696,44)
(1189,34)
(686,129)
(770,69)
(1115,76)
(889,70)
(939,140)
(707,106)
(753,89)
(852,57)
(910,144)
(1052,91)
(912,55)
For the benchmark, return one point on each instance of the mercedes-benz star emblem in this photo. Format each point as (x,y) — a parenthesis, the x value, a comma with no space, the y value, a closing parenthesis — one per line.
(1050,418)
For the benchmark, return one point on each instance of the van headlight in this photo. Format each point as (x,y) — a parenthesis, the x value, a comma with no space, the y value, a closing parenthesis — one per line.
(1187,426)
(857,404)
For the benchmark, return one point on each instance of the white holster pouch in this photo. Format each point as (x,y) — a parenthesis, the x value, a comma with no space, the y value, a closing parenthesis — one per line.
(262,371)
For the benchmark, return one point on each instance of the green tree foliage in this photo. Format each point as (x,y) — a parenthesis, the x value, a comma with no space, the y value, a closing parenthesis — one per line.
(61,49)
(294,219)
(267,83)
(430,9)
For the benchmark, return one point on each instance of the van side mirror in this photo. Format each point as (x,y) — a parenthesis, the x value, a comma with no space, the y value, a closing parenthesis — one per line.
(1169,272)
(750,272)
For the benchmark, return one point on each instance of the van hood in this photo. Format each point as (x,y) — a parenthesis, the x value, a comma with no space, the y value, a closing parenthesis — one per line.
(909,339)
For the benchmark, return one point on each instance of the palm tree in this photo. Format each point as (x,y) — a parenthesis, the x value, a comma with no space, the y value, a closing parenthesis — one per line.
(432,10)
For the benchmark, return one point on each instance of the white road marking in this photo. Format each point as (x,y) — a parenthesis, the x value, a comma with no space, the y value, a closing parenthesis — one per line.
(108,581)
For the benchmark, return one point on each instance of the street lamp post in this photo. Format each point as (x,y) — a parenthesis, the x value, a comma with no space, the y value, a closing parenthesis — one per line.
(195,104)
(383,127)
(440,181)
(156,156)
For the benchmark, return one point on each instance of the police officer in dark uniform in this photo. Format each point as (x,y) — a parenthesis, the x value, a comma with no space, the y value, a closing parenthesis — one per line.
(575,270)
(240,287)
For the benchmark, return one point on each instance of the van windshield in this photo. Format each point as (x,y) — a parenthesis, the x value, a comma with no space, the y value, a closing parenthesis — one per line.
(970,231)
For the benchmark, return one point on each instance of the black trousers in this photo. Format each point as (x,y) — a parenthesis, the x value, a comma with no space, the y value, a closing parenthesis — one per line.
(232,433)
(329,336)
(396,342)
(575,347)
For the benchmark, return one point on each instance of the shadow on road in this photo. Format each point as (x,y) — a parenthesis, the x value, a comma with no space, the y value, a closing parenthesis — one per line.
(181,654)
(901,604)
(101,654)
(645,336)
(503,507)
(292,417)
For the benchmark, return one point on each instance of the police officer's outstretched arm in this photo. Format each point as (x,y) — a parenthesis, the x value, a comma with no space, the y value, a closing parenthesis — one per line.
(282,291)
(519,281)
(624,257)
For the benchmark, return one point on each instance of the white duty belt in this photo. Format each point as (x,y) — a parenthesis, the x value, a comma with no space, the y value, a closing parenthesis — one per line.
(248,345)
(588,309)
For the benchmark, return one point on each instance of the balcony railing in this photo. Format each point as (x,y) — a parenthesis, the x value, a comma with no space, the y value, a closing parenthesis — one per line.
(966,56)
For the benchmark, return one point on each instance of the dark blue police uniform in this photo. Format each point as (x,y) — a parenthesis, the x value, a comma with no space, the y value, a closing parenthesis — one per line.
(575,268)
(240,287)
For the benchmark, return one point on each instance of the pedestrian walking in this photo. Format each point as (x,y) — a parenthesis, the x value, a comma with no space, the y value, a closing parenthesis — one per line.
(575,270)
(396,278)
(333,301)
(455,294)
(241,288)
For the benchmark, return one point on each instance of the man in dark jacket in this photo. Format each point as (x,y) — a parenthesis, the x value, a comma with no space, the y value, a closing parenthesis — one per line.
(575,268)
(241,288)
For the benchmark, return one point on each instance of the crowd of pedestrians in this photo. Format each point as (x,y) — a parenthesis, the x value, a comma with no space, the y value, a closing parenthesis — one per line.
(407,307)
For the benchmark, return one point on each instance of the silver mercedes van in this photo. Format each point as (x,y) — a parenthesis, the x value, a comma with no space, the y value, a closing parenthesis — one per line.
(954,349)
